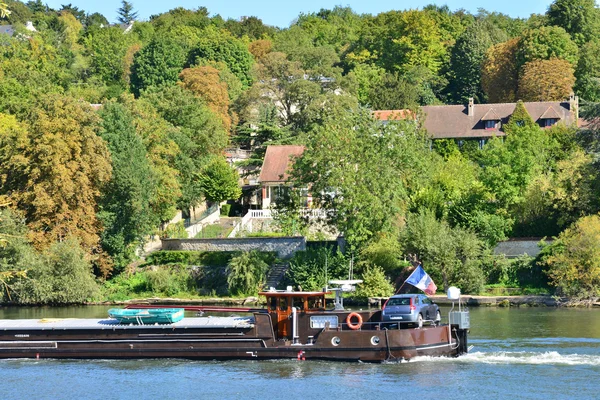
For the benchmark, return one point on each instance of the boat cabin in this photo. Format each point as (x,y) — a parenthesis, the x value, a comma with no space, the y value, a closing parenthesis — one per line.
(282,305)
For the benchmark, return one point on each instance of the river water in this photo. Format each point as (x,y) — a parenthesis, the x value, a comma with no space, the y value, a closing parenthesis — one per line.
(525,353)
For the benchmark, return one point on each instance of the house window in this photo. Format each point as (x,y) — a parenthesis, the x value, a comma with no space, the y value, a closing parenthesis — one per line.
(460,143)
(490,124)
(482,143)
(549,122)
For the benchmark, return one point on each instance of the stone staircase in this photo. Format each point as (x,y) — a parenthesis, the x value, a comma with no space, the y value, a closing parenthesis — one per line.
(275,275)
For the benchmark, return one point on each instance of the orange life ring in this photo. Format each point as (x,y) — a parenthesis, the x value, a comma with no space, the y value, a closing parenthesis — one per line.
(351,325)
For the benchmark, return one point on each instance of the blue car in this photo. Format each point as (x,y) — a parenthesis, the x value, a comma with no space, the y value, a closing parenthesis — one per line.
(410,308)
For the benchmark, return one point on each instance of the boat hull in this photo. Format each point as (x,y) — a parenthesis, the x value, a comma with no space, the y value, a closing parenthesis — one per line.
(224,338)
(353,346)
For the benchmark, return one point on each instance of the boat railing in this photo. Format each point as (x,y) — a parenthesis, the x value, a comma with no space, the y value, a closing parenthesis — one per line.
(376,326)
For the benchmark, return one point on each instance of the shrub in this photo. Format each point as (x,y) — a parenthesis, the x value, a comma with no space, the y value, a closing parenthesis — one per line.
(375,283)
(170,280)
(175,231)
(225,209)
(246,273)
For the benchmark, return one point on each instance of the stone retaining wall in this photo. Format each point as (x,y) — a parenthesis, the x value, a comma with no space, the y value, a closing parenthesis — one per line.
(285,247)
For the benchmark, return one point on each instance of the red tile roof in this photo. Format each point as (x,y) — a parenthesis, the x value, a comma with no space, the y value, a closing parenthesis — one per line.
(277,162)
(389,115)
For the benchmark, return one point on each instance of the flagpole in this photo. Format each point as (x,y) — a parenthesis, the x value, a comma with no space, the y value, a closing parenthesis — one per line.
(403,283)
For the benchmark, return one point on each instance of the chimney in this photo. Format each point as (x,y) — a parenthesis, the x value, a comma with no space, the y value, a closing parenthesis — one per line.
(471,108)
(574,106)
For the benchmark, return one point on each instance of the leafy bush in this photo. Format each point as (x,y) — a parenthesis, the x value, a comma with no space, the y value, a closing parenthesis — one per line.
(169,257)
(225,209)
(375,283)
(246,273)
(175,231)
(170,281)
(64,277)
(573,260)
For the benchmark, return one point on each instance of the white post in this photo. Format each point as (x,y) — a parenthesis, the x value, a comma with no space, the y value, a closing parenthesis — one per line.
(294,325)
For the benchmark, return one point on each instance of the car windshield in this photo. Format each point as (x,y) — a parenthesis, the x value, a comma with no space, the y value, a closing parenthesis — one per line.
(403,301)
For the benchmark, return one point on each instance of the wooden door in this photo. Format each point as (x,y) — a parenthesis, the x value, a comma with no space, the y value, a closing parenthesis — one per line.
(283,318)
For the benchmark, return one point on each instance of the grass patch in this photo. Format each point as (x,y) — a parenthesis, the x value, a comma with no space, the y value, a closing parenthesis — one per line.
(213,231)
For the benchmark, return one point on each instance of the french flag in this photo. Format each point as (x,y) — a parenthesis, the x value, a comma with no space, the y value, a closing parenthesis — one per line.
(421,280)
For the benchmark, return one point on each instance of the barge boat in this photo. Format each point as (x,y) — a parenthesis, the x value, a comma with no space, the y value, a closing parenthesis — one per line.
(293,325)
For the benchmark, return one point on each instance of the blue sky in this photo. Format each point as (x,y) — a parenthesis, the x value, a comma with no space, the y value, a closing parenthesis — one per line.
(281,13)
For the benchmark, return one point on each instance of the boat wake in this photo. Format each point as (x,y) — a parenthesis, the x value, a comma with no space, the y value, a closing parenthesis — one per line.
(520,357)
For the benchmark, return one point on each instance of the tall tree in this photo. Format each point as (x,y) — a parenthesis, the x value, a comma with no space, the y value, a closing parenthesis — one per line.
(125,206)
(205,82)
(157,64)
(107,48)
(546,80)
(198,132)
(363,197)
(217,45)
(587,85)
(580,18)
(57,166)
(126,13)
(465,62)
(499,72)
(545,43)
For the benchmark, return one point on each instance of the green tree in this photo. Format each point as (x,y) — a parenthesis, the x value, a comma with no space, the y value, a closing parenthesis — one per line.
(219,181)
(198,132)
(217,45)
(401,40)
(313,268)
(580,18)
(250,27)
(126,14)
(573,260)
(67,276)
(107,48)
(158,138)
(246,273)
(587,85)
(466,59)
(449,255)
(363,197)
(17,256)
(546,43)
(519,118)
(157,64)
(125,206)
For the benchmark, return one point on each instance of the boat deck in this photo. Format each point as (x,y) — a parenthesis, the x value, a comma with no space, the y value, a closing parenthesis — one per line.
(108,323)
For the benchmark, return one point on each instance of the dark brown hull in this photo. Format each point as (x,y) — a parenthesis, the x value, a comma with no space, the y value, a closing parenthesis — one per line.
(354,345)
(258,340)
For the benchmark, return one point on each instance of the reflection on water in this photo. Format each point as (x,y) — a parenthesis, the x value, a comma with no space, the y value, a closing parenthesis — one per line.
(528,353)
